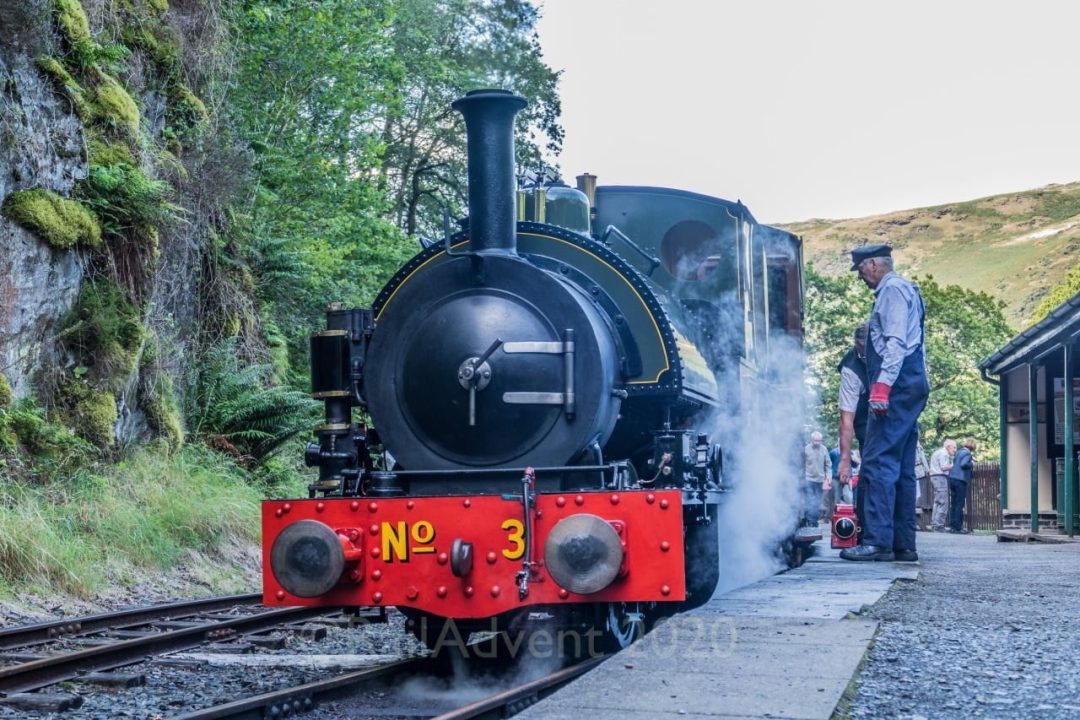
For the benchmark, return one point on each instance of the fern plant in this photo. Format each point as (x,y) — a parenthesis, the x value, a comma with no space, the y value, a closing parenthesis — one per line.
(234,407)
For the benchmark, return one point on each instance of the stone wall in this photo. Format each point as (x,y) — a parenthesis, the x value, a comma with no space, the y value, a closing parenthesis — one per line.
(1022,521)
(41,145)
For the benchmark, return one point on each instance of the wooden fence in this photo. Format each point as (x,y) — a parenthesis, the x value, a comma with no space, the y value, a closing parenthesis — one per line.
(983,510)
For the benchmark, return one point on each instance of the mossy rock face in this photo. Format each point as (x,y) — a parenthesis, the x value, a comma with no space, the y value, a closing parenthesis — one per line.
(68,84)
(24,426)
(164,419)
(75,28)
(91,413)
(106,329)
(188,112)
(104,152)
(160,43)
(72,20)
(56,70)
(56,220)
(114,107)
(5,393)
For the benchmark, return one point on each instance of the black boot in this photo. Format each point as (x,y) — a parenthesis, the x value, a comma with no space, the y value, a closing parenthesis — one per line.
(867,552)
(906,556)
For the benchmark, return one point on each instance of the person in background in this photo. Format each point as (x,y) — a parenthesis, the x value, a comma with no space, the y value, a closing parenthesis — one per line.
(854,403)
(896,369)
(834,458)
(959,479)
(923,499)
(817,471)
(940,464)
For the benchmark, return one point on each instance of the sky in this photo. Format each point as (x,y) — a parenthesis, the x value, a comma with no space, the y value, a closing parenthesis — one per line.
(815,108)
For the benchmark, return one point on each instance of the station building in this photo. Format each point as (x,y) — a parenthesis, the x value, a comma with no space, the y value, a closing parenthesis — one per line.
(1037,376)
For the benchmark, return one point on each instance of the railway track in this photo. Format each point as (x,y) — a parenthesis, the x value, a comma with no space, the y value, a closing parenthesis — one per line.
(513,700)
(122,638)
(310,696)
(302,698)
(108,641)
(20,636)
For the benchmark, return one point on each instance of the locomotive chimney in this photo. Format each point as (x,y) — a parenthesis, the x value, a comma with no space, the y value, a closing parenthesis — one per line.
(489,125)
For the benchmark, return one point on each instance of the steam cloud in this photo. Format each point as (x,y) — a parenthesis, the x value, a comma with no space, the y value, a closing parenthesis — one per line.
(762,444)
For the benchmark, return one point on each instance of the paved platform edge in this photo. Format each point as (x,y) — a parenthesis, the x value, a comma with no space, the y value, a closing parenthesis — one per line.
(786,646)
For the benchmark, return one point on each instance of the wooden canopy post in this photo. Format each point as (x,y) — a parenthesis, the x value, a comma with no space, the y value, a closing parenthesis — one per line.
(1069,501)
(1033,441)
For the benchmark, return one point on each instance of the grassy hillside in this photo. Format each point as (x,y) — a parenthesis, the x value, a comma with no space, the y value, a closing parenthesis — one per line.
(1014,246)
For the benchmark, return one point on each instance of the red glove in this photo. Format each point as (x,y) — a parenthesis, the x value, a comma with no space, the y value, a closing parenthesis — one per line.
(879,398)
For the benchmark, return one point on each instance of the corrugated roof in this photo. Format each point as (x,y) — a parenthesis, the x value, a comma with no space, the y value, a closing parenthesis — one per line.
(1053,330)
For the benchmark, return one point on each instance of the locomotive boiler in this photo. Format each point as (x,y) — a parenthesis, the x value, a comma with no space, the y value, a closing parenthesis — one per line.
(539,387)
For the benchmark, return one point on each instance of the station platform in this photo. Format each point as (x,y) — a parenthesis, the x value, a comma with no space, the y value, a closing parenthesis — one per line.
(786,646)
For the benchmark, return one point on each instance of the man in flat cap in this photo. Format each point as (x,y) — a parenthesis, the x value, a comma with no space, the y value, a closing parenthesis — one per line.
(896,369)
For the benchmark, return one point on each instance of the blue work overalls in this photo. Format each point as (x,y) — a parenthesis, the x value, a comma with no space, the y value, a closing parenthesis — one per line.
(888,460)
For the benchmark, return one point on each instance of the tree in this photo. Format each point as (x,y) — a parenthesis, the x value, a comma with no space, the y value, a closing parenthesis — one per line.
(1058,294)
(962,328)
(313,83)
(447,47)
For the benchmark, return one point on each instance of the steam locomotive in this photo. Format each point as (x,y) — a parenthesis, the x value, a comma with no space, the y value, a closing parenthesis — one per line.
(539,386)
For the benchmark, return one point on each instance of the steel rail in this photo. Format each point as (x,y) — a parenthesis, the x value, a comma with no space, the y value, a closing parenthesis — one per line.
(301,698)
(38,633)
(36,674)
(514,700)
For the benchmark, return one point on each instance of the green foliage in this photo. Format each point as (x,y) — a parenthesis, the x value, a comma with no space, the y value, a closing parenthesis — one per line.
(1058,294)
(128,201)
(5,393)
(446,47)
(187,111)
(347,109)
(161,44)
(156,509)
(91,413)
(962,328)
(310,88)
(106,330)
(58,221)
(232,406)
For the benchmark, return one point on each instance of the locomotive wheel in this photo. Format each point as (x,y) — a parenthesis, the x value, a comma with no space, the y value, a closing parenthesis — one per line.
(625,624)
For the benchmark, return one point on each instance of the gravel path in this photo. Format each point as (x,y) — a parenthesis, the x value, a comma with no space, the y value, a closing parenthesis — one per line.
(990,630)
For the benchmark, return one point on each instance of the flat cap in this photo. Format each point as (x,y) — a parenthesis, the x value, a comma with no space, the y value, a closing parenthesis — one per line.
(869,251)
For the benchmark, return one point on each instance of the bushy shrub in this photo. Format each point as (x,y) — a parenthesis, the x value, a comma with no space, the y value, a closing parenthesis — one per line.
(234,408)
